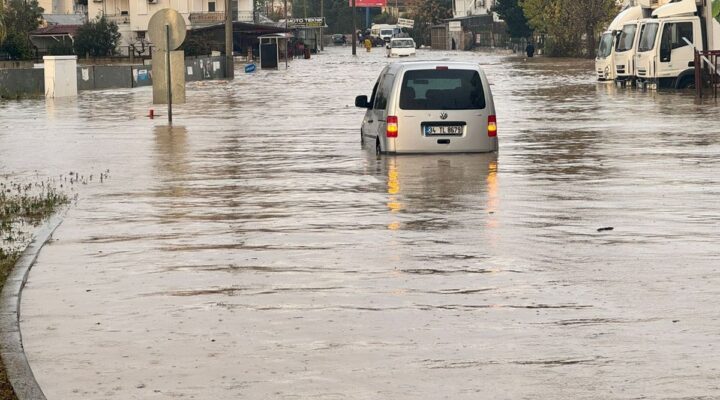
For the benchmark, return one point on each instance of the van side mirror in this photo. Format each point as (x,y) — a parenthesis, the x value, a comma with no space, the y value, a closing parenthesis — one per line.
(362,102)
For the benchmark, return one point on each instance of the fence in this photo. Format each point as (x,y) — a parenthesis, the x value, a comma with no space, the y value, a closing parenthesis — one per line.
(30,82)
(712,77)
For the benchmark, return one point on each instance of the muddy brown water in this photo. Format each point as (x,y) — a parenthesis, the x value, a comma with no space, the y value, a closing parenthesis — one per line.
(254,250)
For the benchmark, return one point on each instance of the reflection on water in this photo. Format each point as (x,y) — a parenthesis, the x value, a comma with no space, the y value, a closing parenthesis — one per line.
(427,184)
(255,250)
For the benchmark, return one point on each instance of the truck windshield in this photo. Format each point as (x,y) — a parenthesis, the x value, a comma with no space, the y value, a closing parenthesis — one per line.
(606,44)
(626,39)
(442,89)
(386,32)
(648,34)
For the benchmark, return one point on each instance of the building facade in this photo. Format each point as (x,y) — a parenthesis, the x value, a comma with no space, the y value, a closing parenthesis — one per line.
(133,16)
(466,8)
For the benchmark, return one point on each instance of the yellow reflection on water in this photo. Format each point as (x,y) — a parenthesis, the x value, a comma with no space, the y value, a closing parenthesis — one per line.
(492,190)
(393,189)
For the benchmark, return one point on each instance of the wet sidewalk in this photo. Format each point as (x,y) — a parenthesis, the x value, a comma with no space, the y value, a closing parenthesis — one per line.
(255,251)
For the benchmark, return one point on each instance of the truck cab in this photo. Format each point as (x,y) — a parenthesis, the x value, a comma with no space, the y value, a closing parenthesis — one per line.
(627,42)
(664,58)
(605,60)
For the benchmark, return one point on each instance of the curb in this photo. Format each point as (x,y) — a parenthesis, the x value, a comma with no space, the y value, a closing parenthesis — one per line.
(18,370)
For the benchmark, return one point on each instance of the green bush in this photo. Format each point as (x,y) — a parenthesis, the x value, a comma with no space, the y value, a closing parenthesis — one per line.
(97,38)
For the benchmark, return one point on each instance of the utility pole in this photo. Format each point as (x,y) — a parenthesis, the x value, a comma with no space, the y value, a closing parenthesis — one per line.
(287,42)
(229,60)
(354,32)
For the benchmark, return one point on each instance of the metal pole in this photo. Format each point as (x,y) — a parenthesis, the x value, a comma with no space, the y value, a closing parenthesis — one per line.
(322,23)
(167,72)
(287,42)
(367,17)
(229,61)
(354,32)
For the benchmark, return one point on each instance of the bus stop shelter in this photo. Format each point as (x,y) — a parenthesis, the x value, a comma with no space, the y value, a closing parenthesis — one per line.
(273,50)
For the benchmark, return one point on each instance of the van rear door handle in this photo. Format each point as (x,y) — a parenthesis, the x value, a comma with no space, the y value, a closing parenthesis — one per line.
(371,121)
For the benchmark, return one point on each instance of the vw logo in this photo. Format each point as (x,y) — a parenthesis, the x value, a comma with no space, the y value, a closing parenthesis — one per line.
(443,115)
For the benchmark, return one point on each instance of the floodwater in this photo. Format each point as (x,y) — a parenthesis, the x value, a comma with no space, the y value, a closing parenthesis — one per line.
(255,251)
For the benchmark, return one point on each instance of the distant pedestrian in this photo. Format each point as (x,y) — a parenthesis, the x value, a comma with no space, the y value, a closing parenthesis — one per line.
(368,44)
(530,50)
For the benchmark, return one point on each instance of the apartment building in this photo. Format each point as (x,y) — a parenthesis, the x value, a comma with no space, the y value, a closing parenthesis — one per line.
(133,16)
(466,8)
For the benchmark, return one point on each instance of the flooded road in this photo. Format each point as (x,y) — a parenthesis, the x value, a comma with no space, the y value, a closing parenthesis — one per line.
(255,251)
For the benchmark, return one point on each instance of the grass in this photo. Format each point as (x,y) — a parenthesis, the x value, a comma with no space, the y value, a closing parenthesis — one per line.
(23,206)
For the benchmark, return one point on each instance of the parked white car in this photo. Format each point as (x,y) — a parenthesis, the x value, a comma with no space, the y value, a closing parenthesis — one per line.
(400,47)
(430,107)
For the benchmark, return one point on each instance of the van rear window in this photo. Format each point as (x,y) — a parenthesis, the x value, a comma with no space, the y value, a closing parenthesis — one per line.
(446,89)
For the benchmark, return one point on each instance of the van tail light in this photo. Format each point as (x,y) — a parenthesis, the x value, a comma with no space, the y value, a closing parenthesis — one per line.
(492,126)
(392,126)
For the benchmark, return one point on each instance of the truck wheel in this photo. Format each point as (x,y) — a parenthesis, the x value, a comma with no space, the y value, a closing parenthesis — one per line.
(686,82)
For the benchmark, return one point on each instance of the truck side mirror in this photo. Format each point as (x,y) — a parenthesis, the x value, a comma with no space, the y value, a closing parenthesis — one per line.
(362,102)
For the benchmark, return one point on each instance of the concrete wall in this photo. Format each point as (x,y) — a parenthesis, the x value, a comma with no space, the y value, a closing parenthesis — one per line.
(28,82)
(16,83)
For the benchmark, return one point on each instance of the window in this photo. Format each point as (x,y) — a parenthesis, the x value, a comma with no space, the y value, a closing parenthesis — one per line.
(673,34)
(442,89)
(403,44)
(606,44)
(627,38)
(647,37)
(211,6)
(384,87)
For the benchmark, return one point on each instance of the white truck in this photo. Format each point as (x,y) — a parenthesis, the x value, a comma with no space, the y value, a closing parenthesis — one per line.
(384,31)
(605,62)
(663,56)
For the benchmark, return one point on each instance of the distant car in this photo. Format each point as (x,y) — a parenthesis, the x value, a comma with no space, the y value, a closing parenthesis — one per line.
(338,38)
(430,107)
(400,47)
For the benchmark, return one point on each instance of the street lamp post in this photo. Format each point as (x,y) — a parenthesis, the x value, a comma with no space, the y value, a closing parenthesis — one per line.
(354,32)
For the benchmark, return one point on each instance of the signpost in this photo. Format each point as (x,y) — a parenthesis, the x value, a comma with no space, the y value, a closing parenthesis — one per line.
(167,31)
(314,22)
(406,23)
(455,26)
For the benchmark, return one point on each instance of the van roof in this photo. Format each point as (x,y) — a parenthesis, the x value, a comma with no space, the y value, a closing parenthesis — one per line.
(426,64)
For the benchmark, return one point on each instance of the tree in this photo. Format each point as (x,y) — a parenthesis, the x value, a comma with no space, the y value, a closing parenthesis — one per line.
(19,18)
(571,25)
(97,38)
(3,31)
(513,15)
(427,13)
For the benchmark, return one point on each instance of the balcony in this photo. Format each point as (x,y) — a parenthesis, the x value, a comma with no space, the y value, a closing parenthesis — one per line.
(120,19)
(245,16)
(206,18)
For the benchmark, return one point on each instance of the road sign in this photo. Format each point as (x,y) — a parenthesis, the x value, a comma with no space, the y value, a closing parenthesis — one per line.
(156,29)
(405,23)
(314,22)
(167,32)
(369,3)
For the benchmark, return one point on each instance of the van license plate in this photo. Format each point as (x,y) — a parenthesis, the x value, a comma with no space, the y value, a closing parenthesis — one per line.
(431,130)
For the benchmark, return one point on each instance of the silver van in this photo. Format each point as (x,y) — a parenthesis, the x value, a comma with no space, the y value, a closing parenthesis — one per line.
(430,107)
